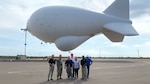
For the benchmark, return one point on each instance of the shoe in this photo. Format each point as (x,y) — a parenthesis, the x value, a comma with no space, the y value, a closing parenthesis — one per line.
(51,79)
(48,80)
(68,77)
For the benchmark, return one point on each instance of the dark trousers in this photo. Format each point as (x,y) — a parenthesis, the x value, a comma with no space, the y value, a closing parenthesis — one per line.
(76,72)
(73,72)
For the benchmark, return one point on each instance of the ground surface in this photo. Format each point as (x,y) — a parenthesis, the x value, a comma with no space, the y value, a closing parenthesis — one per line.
(104,71)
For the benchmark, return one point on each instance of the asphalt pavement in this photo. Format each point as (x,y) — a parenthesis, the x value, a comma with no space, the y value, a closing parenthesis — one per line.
(103,71)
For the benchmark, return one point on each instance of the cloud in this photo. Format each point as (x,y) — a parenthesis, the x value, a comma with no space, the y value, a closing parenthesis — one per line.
(117,45)
(146,44)
(139,8)
(141,24)
(13,18)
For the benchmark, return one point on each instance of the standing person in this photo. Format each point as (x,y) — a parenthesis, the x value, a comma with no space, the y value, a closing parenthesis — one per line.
(69,65)
(59,67)
(88,64)
(83,65)
(73,59)
(76,67)
(51,67)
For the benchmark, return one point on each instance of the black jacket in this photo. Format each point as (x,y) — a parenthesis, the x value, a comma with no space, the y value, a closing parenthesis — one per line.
(69,63)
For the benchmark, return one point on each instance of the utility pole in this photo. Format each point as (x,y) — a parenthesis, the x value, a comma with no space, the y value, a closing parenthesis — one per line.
(25,40)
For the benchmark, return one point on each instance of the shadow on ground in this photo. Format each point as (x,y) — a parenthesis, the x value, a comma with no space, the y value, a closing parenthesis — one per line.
(64,81)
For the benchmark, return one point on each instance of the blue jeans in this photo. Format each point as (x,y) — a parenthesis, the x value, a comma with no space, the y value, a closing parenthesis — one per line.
(88,70)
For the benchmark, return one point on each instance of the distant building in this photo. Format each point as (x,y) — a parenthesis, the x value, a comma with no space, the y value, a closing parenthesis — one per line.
(21,57)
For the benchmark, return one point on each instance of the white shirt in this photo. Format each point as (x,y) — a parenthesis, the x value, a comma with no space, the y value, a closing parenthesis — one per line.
(76,64)
(72,58)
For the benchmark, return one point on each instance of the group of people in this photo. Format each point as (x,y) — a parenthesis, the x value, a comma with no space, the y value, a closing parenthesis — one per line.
(72,66)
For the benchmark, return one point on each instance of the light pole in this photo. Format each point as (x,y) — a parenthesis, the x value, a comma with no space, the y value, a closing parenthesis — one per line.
(25,41)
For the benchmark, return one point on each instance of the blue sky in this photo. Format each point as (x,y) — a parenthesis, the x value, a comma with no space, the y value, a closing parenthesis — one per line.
(15,13)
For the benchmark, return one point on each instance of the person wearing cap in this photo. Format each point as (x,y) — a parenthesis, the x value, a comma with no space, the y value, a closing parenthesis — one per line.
(88,64)
(59,67)
(73,60)
(51,67)
(69,65)
(83,65)
(76,67)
